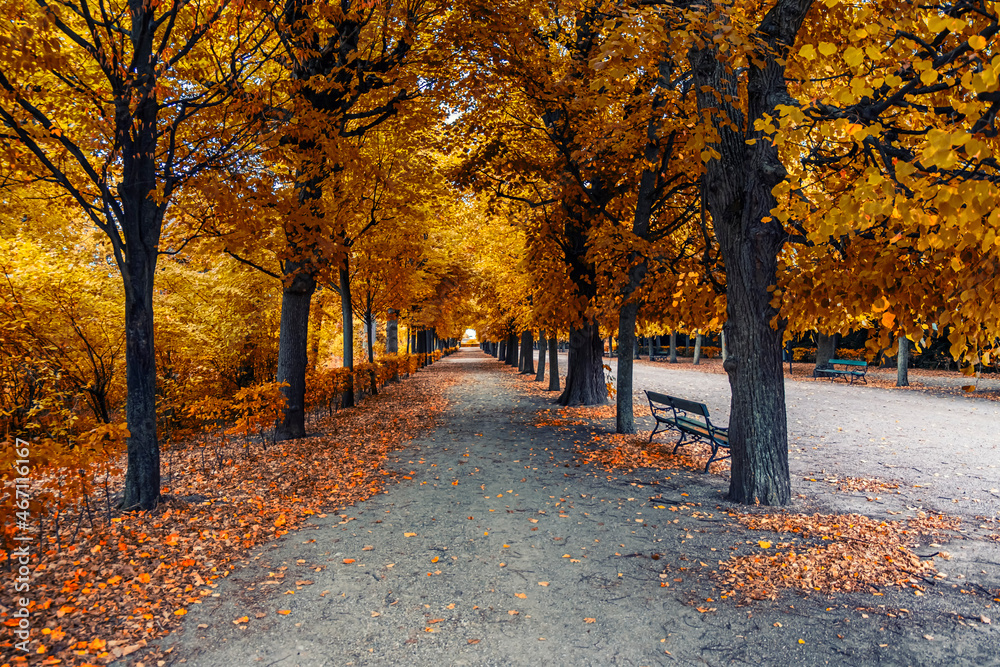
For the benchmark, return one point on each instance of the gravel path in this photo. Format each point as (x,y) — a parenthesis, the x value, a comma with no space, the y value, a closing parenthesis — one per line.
(501,549)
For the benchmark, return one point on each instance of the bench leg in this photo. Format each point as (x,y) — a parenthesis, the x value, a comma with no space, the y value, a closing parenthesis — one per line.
(680,441)
(656,430)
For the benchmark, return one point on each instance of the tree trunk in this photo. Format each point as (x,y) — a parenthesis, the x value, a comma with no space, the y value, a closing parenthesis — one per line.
(738,188)
(347,398)
(826,349)
(512,349)
(553,363)
(520,356)
(293,339)
(142,478)
(673,347)
(527,348)
(723,350)
(650,350)
(903,362)
(687,344)
(585,370)
(422,346)
(624,416)
(697,349)
(502,351)
(540,374)
(392,338)
(315,332)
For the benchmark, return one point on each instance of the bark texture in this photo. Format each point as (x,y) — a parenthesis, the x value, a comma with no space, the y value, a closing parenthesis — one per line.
(585,368)
(903,362)
(142,478)
(624,416)
(527,348)
(738,190)
(826,349)
(673,347)
(292,350)
(553,364)
(540,374)
(697,350)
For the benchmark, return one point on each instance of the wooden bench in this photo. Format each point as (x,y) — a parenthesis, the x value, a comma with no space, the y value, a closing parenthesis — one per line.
(688,418)
(856,370)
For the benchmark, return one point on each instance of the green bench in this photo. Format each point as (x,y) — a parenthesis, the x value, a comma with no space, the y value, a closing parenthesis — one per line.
(689,419)
(854,371)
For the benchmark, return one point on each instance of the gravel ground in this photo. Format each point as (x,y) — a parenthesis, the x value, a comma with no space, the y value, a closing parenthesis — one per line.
(501,549)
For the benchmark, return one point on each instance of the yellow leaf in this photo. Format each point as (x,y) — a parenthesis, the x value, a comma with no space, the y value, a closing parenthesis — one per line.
(180,612)
(827,49)
(409,534)
(977,42)
(435,559)
(764,544)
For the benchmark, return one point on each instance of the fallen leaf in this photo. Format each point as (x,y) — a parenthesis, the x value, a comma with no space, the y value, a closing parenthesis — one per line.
(590,620)
(520,595)
(473,641)
(764,544)
(543,583)
(284,612)
(513,613)
(409,534)
(242,619)
(348,561)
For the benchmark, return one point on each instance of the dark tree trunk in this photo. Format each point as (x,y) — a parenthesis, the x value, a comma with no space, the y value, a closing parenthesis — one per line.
(738,190)
(392,338)
(347,398)
(553,364)
(687,344)
(527,347)
(422,346)
(903,362)
(697,349)
(142,478)
(624,416)
(512,350)
(520,356)
(651,338)
(315,333)
(673,347)
(826,349)
(502,351)
(293,339)
(585,368)
(540,374)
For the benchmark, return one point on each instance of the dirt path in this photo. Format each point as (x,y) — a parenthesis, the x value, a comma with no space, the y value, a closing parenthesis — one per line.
(501,549)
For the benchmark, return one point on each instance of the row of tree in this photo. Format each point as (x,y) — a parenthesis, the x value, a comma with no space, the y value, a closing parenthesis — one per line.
(768,168)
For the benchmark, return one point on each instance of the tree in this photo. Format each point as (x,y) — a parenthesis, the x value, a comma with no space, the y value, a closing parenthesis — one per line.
(104,102)
(346,66)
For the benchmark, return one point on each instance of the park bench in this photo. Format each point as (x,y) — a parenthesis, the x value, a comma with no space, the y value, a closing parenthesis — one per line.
(855,370)
(660,354)
(689,419)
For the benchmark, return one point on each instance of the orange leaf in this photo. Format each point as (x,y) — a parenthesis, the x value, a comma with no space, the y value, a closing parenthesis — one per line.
(348,561)
(284,612)
(242,619)
(180,612)
(590,620)
(520,595)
